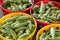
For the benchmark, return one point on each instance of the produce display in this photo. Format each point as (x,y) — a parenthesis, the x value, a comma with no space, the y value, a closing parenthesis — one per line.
(17,27)
(52,34)
(49,32)
(30,20)
(16,5)
(46,12)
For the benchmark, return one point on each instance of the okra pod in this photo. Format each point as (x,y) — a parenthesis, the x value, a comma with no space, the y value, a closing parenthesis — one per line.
(28,30)
(20,33)
(30,24)
(58,30)
(35,15)
(42,8)
(47,12)
(42,36)
(30,1)
(47,7)
(52,32)
(14,23)
(24,1)
(21,24)
(54,8)
(46,38)
(48,19)
(23,35)
(56,38)
(13,34)
(18,2)
(11,19)
(14,7)
(23,18)
(9,8)
(50,4)
(33,28)
(21,28)
(20,7)
(25,6)
(58,16)
(53,18)
(36,9)
(57,34)
(8,23)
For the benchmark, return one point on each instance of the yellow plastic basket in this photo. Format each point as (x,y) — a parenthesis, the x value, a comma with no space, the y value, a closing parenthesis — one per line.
(15,14)
(46,28)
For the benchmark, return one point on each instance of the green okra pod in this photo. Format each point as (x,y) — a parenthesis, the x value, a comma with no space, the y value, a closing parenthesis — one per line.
(8,27)
(20,7)
(36,9)
(47,12)
(18,2)
(42,36)
(28,30)
(14,7)
(20,33)
(54,8)
(48,19)
(35,15)
(13,34)
(24,1)
(14,23)
(47,7)
(57,34)
(11,19)
(9,8)
(8,23)
(32,29)
(23,18)
(21,28)
(58,30)
(53,18)
(56,38)
(50,4)
(52,32)
(21,24)
(30,24)
(5,4)
(30,1)
(58,11)
(23,35)
(3,31)
(42,8)
(58,16)
(46,38)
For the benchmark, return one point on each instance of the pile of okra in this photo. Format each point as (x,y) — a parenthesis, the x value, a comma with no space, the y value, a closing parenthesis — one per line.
(46,12)
(17,27)
(16,5)
(52,34)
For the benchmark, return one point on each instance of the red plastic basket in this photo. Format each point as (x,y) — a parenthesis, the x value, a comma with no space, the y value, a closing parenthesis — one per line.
(38,3)
(5,11)
(41,0)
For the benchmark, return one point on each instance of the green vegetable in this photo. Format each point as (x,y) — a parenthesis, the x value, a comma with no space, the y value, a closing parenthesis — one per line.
(21,28)
(51,34)
(16,5)
(23,35)
(13,34)
(17,27)
(42,8)
(46,12)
